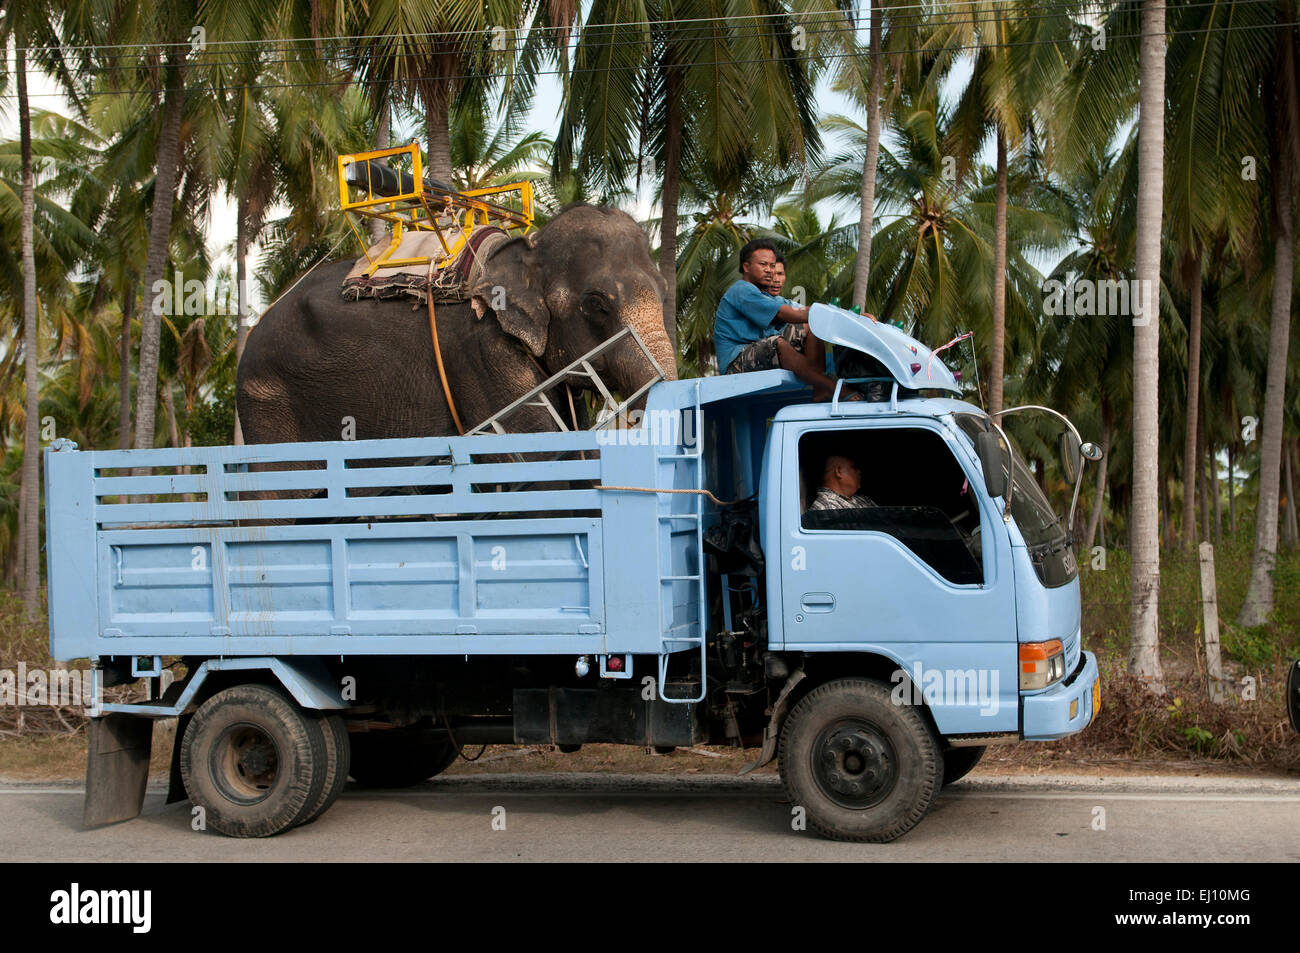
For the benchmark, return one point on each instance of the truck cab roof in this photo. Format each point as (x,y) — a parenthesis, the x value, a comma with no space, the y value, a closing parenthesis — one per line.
(911,364)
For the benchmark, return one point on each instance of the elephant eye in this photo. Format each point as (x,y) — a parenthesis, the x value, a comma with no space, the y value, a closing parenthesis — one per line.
(597,301)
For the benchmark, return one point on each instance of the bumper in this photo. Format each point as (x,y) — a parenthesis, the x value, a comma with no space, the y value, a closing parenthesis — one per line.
(1064,709)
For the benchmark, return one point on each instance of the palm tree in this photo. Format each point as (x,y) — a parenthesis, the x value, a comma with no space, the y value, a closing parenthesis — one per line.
(639,68)
(1281,85)
(485,155)
(31,344)
(436,53)
(1144,536)
(1019,60)
(29,24)
(1207,195)
(875,89)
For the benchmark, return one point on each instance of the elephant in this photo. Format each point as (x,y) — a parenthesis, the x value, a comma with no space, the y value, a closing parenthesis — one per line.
(544,300)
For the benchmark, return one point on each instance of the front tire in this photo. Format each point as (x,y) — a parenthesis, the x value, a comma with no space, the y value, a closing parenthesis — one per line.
(863,768)
(254,761)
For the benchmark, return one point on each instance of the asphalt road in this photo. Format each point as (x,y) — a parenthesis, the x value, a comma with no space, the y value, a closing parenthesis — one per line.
(630,818)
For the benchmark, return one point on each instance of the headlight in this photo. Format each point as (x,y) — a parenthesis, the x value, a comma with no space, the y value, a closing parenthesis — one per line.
(1041,664)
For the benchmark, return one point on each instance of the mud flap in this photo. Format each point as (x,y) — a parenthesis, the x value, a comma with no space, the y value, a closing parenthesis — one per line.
(117,768)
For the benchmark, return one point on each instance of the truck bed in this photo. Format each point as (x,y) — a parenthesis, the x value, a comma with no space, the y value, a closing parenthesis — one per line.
(468,545)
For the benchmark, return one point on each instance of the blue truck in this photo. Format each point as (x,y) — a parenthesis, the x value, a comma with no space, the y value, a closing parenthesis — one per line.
(370,608)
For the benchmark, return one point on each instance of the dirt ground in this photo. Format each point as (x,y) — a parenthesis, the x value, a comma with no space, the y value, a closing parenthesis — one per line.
(64,759)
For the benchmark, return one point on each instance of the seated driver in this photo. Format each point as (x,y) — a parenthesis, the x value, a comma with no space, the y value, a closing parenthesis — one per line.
(841,481)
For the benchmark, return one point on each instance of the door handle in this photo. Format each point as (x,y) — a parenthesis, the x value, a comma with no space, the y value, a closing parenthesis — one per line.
(817,602)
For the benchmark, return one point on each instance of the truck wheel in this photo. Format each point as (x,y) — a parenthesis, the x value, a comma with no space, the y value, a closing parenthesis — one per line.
(863,768)
(398,759)
(253,760)
(957,763)
(338,755)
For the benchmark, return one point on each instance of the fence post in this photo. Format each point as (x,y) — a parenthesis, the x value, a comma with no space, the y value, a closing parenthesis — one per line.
(1210,613)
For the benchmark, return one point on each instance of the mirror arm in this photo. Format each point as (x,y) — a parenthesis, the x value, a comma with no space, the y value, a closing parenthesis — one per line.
(1047,410)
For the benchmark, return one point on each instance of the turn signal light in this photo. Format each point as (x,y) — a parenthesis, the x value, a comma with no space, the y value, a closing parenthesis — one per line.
(1041,664)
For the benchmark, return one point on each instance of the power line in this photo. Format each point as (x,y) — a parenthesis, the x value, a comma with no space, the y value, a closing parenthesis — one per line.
(342,56)
(932,7)
(735,36)
(640,67)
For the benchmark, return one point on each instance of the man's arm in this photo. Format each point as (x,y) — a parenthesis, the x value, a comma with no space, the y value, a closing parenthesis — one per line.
(792,314)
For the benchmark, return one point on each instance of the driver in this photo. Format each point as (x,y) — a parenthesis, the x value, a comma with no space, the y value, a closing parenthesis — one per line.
(841,481)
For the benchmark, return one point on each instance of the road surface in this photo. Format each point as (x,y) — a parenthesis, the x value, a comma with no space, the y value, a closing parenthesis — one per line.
(635,817)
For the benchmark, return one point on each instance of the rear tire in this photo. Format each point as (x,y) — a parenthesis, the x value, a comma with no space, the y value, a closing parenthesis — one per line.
(254,761)
(397,758)
(958,762)
(862,767)
(338,757)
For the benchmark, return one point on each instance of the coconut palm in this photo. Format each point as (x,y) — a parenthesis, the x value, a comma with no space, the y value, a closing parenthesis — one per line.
(1280,80)
(641,68)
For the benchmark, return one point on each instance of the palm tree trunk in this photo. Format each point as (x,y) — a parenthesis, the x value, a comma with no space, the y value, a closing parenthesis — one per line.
(1259,595)
(241,278)
(1099,500)
(124,375)
(1190,455)
(160,225)
(31,353)
(669,202)
(1216,491)
(20,550)
(866,216)
(169,401)
(437,110)
(1292,535)
(999,280)
(1202,494)
(1232,488)
(1144,651)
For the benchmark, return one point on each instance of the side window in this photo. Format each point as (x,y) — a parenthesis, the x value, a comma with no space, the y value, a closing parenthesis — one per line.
(900,481)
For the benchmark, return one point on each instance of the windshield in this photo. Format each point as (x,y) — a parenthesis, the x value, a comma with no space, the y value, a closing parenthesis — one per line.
(1038,523)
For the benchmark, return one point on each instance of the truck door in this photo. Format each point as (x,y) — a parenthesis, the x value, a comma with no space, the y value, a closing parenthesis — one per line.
(914,563)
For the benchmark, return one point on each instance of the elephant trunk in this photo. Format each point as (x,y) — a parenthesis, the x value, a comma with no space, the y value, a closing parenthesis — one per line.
(645,315)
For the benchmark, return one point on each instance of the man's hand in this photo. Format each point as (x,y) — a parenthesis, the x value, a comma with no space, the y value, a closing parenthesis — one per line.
(792,314)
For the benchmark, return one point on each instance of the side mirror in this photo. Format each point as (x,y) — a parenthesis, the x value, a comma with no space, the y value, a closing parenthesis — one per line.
(988,446)
(1071,457)
(1092,451)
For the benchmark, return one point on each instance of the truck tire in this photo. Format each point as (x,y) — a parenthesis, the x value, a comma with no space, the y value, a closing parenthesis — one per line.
(398,759)
(254,761)
(863,768)
(958,762)
(338,756)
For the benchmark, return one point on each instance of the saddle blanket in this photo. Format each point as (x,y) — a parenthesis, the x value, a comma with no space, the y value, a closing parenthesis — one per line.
(451,282)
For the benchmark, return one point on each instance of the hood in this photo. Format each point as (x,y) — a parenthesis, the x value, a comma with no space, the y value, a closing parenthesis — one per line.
(909,361)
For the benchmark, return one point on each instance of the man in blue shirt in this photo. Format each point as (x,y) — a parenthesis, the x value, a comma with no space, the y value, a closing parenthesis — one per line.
(754,331)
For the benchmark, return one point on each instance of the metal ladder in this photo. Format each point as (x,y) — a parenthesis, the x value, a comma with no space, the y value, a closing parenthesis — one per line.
(580,371)
(697,518)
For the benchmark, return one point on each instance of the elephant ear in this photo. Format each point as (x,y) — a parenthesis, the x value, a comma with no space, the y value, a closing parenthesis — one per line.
(510,286)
